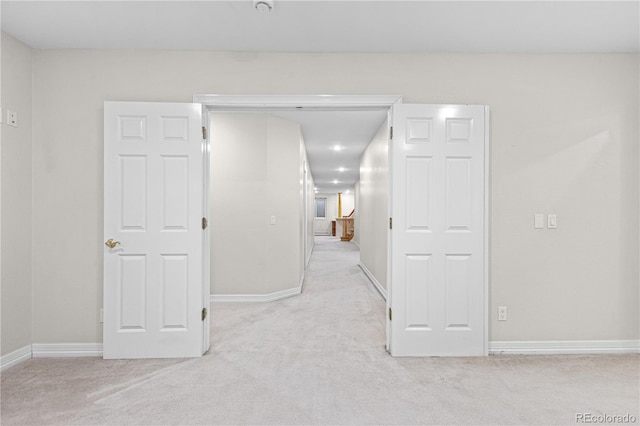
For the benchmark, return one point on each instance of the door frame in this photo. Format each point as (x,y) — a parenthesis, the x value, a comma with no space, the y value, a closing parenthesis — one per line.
(487,221)
(226,103)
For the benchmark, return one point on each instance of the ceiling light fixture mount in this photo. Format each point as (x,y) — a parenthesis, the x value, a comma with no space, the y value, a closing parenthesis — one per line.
(263,6)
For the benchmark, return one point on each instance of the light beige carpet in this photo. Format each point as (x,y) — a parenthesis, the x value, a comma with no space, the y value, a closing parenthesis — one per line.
(318,358)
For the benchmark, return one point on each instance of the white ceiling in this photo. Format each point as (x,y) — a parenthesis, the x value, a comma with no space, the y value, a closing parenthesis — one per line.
(324,130)
(330,26)
(336,26)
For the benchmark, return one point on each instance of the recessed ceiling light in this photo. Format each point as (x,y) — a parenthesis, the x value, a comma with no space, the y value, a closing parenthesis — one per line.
(341,169)
(337,148)
(336,181)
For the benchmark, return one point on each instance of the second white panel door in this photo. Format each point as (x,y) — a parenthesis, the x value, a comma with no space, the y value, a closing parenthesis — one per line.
(438,256)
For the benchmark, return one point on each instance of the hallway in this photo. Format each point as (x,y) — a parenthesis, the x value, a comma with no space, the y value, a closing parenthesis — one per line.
(317,358)
(339,310)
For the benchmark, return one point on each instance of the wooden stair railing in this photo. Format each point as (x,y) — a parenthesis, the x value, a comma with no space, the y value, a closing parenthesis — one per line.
(348,229)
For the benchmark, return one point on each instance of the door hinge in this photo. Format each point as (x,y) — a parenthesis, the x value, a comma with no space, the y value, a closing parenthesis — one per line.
(204,313)
(204,132)
(390,223)
(391,133)
(390,315)
(205,223)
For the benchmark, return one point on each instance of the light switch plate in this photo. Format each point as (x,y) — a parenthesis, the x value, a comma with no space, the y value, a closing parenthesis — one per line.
(502,313)
(538,221)
(12,118)
(552,221)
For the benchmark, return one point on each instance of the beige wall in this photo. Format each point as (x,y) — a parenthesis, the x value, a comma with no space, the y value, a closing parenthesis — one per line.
(16,196)
(564,140)
(348,202)
(373,211)
(310,197)
(255,174)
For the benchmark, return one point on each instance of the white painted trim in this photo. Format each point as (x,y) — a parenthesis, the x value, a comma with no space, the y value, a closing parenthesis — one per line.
(306,265)
(206,236)
(374,281)
(487,225)
(16,357)
(66,350)
(301,280)
(292,101)
(389,231)
(569,347)
(256,297)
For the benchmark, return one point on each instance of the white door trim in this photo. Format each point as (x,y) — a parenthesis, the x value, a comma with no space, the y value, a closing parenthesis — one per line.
(292,101)
(487,221)
(206,247)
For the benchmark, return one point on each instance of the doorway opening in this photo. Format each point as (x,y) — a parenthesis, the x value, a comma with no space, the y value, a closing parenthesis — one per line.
(249,114)
(437,185)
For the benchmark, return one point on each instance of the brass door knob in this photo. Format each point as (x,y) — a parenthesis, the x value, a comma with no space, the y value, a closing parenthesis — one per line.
(111,243)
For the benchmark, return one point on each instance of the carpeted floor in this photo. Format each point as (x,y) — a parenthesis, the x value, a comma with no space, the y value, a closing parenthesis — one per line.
(318,358)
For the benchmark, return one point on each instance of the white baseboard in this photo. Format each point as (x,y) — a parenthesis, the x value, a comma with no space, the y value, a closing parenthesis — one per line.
(308,259)
(570,347)
(64,350)
(374,281)
(16,357)
(257,297)
(576,347)
(50,350)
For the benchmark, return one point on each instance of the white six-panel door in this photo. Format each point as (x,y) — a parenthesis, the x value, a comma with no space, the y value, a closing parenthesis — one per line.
(438,235)
(153,206)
